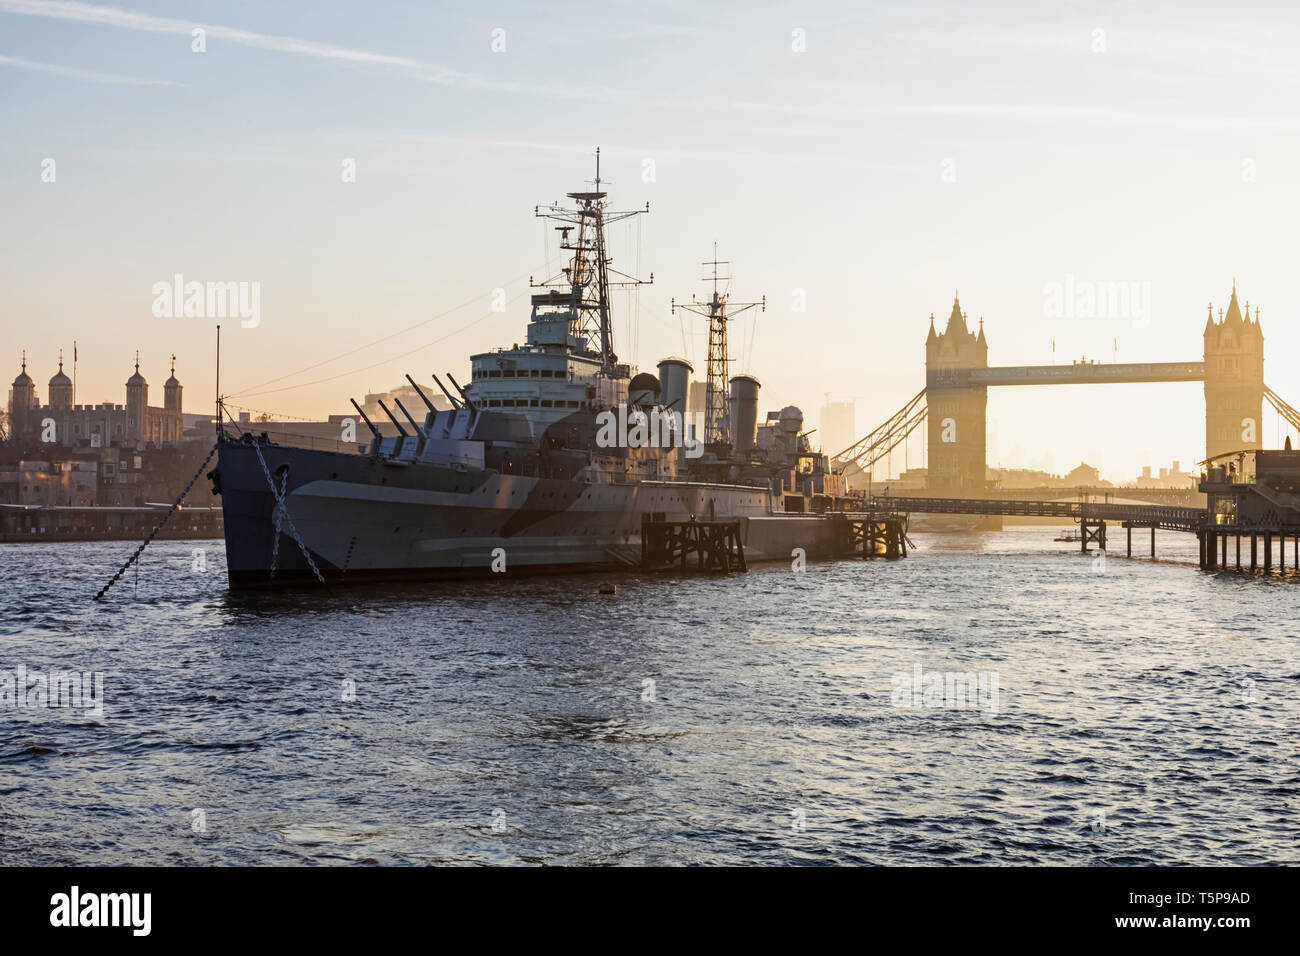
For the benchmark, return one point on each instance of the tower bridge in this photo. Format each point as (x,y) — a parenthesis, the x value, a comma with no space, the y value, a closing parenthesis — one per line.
(958,376)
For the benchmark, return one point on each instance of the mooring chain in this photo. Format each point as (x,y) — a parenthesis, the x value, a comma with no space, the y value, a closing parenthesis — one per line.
(171,511)
(279,515)
(283,509)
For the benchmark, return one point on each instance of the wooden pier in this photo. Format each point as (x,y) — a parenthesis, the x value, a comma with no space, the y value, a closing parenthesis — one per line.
(1214,548)
(1129,526)
(692,545)
(869,535)
(1159,516)
(1092,531)
(1091,516)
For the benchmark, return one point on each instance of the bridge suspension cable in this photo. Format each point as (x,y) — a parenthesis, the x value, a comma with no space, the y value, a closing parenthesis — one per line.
(1286,411)
(865,452)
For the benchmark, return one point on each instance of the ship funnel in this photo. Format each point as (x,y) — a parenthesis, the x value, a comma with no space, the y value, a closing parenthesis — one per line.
(674,376)
(744,413)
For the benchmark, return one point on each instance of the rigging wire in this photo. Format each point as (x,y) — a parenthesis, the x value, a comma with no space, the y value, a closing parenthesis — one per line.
(753,334)
(681,321)
(279,416)
(382,362)
(361,348)
(636,290)
(627,301)
(686,345)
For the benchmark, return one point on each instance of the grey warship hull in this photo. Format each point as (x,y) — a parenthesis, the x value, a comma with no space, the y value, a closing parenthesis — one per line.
(369,518)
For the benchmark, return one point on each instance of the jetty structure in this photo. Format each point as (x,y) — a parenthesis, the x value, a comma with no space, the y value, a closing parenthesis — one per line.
(1252,494)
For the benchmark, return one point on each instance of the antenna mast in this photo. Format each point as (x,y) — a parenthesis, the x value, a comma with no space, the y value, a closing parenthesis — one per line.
(717,414)
(218,381)
(586,282)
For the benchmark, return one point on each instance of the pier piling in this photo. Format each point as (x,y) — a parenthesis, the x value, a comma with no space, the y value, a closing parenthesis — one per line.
(870,535)
(1092,531)
(715,545)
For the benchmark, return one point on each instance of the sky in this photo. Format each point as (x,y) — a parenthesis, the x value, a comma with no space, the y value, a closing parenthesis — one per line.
(857,163)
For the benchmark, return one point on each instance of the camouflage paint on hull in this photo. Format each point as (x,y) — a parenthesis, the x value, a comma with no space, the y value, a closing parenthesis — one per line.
(368,518)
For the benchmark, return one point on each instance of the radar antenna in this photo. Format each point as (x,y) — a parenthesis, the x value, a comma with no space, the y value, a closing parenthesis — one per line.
(718,309)
(582,287)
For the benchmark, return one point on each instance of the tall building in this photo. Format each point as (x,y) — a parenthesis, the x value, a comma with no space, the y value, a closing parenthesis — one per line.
(410,399)
(837,427)
(956,410)
(94,426)
(1234,380)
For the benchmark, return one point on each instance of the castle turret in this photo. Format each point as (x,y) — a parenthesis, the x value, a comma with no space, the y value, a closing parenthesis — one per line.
(1234,380)
(137,400)
(172,391)
(60,388)
(172,422)
(22,399)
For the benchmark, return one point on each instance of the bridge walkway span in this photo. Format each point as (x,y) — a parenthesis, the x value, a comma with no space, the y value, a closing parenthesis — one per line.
(1153,516)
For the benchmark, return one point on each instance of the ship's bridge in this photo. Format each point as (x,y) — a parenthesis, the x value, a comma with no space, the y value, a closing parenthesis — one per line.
(555,371)
(532,377)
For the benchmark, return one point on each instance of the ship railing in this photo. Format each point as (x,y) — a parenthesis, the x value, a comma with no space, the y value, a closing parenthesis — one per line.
(293,440)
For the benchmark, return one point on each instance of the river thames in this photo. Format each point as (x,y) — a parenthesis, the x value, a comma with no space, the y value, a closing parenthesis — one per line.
(1135,712)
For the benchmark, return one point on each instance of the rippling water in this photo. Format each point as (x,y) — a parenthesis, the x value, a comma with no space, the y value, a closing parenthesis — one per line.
(1145,714)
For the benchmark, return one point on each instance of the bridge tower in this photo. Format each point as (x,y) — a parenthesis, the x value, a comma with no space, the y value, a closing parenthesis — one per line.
(1234,380)
(956,410)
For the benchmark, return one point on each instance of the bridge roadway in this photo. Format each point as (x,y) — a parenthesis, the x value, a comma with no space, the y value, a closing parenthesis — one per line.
(1082,374)
(1146,516)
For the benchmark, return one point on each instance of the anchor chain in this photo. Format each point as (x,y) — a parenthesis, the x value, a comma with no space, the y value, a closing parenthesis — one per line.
(282,509)
(170,511)
(279,515)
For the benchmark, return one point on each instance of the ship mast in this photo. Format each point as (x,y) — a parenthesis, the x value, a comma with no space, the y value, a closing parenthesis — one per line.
(587,277)
(717,402)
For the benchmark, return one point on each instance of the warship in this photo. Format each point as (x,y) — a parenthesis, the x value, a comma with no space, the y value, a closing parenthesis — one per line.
(547,460)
